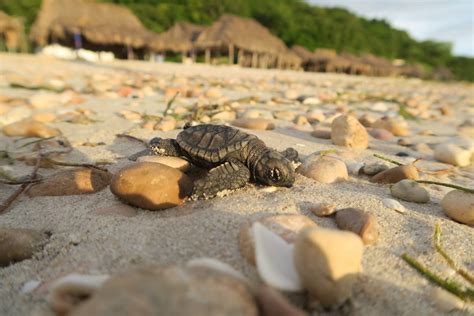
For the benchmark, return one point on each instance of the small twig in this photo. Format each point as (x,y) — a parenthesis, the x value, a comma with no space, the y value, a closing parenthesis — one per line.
(449,185)
(18,182)
(133,138)
(170,103)
(72,164)
(388,159)
(5,204)
(453,264)
(37,141)
(449,285)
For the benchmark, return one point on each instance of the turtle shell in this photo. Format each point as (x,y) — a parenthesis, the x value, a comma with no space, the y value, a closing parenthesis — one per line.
(212,143)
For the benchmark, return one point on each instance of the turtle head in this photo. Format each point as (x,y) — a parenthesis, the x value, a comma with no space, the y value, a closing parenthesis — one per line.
(274,169)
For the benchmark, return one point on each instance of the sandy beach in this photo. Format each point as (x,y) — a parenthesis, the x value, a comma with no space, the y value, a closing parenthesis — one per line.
(82,241)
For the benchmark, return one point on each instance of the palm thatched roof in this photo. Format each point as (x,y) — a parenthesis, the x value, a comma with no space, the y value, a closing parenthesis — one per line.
(179,38)
(9,24)
(303,53)
(100,23)
(242,33)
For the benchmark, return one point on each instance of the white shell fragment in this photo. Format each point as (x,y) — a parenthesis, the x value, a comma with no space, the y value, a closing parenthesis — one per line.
(274,259)
(29,286)
(217,265)
(394,205)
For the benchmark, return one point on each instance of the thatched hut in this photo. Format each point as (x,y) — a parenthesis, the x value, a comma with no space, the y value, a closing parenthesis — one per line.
(380,66)
(11,31)
(357,65)
(327,60)
(254,43)
(96,26)
(309,61)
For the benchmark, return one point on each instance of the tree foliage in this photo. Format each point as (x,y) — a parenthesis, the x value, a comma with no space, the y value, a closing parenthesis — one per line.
(294,21)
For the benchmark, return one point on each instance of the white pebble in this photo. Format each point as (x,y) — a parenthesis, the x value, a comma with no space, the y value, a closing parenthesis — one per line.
(394,205)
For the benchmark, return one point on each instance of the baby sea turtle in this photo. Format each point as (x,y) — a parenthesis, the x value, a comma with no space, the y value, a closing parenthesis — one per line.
(233,157)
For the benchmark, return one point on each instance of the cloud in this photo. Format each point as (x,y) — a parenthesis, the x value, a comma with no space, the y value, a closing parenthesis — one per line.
(443,20)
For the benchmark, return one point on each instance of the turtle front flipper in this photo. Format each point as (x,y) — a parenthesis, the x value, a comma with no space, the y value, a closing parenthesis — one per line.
(165,147)
(230,175)
(291,154)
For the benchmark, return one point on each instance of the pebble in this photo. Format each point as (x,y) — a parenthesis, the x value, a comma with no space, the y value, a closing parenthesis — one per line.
(172,290)
(328,262)
(224,116)
(16,114)
(374,168)
(394,205)
(324,169)
(347,131)
(165,125)
(445,301)
(285,115)
(459,205)
(323,133)
(213,93)
(117,209)
(292,94)
(151,185)
(380,133)
(301,120)
(452,154)
(253,113)
(30,128)
(72,182)
(286,226)
(311,101)
(393,175)
(17,244)
(274,303)
(411,191)
(131,115)
(254,123)
(360,222)
(44,117)
(423,148)
(173,162)
(367,120)
(315,116)
(323,209)
(44,100)
(396,126)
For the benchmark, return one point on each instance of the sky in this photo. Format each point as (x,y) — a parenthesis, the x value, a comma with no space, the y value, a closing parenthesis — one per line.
(442,20)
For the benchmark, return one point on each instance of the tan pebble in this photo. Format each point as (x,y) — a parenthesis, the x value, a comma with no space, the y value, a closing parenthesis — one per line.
(72,182)
(286,226)
(446,110)
(149,125)
(131,115)
(274,303)
(117,209)
(165,125)
(396,126)
(323,209)
(380,133)
(396,174)
(315,116)
(347,131)
(292,94)
(30,128)
(44,117)
(213,93)
(256,123)
(367,120)
(301,120)
(324,169)
(445,301)
(322,133)
(411,191)
(151,186)
(328,262)
(224,116)
(45,100)
(359,222)
(452,154)
(173,162)
(285,115)
(17,244)
(459,205)
(373,168)
(172,290)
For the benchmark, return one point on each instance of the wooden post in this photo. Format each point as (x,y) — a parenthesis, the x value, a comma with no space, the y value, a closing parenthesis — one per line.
(193,55)
(231,54)
(240,57)
(207,58)
(279,62)
(183,56)
(254,60)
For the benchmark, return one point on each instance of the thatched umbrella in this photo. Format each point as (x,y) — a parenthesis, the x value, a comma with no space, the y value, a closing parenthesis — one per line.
(380,65)
(309,60)
(357,65)
(247,35)
(102,24)
(11,29)
(179,38)
(327,60)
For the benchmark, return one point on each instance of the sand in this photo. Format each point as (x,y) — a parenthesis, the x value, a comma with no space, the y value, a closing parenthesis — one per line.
(88,243)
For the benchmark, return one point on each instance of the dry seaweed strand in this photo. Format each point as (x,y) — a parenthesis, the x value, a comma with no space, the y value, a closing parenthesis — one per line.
(468,276)
(72,164)
(130,137)
(6,204)
(170,104)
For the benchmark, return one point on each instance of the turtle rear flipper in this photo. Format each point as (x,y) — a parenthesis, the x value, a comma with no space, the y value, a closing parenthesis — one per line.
(230,175)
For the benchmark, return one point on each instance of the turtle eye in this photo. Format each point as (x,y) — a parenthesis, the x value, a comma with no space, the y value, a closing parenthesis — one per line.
(275,174)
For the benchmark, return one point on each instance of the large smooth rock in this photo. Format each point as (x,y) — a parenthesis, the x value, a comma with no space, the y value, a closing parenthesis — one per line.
(347,131)
(411,191)
(170,291)
(152,186)
(173,162)
(360,222)
(396,174)
(396,126)
(17,244)
(324,169)
(328,262)
(30,128)
(72,182)
(287,226)
(459,205)
(452,154)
